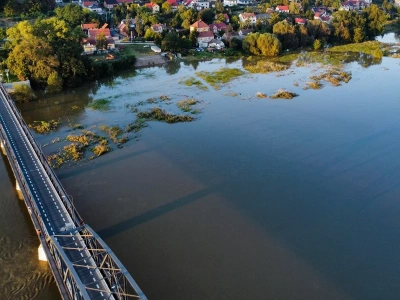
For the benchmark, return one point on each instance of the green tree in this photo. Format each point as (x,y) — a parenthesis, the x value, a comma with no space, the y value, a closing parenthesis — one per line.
(317,44)
(71,13)
(219,7)
(101,41)
(174,43)
(375,21)
(33,59)
(294,8)
(166,7)
(262,44)
(54,83)
(286,34)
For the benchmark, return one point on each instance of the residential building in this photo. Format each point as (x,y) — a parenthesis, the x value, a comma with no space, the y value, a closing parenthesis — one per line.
(247,18)
(204,37)
(216,27)
(110,4)
(154,7)
(232,2)
(174,4)
(199,26)
(198,4)
(282,9)
(158,28)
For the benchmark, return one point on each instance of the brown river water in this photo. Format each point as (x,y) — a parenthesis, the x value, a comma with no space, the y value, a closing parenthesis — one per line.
(256,199)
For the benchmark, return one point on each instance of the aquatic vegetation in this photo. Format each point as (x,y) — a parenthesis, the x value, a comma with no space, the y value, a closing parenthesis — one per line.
(69,152)
(113,132)
(265,66)
(136,126)
(373,48)
(261,95)
(232,94)
(193,81)
(282,94)
(161,115)
(83,139)
(333,75)
(186,105)
(221,76)
(101,148)
(76,126)
(100,104)
(44,126)
(164,97)
(315,85)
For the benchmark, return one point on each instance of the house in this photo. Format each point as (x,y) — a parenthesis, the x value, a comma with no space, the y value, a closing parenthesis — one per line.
(269,10)
(244,32)
(199,26)
(215,27)
(87,26)
(300,21)
(95,8)
(198,4)
(248,17)
(123,29)
(319,14)
(174,4)
(86,4)
(226,17)
(237,35)
(204,37)
(158,28)
(89,43)
(217,44)
(282,9)
(154,7)
(230,2)
(326,19)
(353,5)
(263,18)
(110,3)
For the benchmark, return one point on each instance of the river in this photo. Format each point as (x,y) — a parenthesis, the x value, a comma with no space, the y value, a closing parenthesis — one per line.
(256,199)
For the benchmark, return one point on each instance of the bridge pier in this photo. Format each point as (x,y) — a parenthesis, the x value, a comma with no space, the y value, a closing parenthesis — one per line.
(41,254)
(3,149)
(19,192)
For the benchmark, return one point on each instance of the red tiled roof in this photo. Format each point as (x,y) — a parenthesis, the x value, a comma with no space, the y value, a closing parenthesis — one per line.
(95,32)
(172,2)
(248,15)
(219,26)
(199,24)
(205,34)
(282,7)
(300,20)
(151,4)
(89,3)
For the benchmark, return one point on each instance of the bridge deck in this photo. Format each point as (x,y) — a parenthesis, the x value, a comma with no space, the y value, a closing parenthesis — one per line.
(52,210)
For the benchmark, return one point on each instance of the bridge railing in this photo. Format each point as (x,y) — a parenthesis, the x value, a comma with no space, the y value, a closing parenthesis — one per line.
(122,285)
(53,178)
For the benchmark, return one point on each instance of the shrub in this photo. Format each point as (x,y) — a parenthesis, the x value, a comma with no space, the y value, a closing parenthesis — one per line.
(22,93)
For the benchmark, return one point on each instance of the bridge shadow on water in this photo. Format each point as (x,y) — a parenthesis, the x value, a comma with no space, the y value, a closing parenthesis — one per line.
(156,212)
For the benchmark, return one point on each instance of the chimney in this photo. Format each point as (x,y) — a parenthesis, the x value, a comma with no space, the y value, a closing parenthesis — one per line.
(104,26)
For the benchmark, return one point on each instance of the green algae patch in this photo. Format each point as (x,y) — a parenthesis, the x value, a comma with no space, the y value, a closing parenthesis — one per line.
(191,81)
(158,114)
(219,77)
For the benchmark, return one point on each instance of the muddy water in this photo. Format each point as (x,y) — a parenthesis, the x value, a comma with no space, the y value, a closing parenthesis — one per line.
(257,199)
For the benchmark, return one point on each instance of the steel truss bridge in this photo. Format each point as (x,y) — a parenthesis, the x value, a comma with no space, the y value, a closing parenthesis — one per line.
(84,267)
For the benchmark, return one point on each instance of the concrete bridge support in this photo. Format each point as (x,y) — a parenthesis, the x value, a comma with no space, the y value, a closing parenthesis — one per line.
(3,149)
(41,254)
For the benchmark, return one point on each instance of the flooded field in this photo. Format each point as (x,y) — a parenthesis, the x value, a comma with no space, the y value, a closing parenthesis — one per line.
(252,198)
